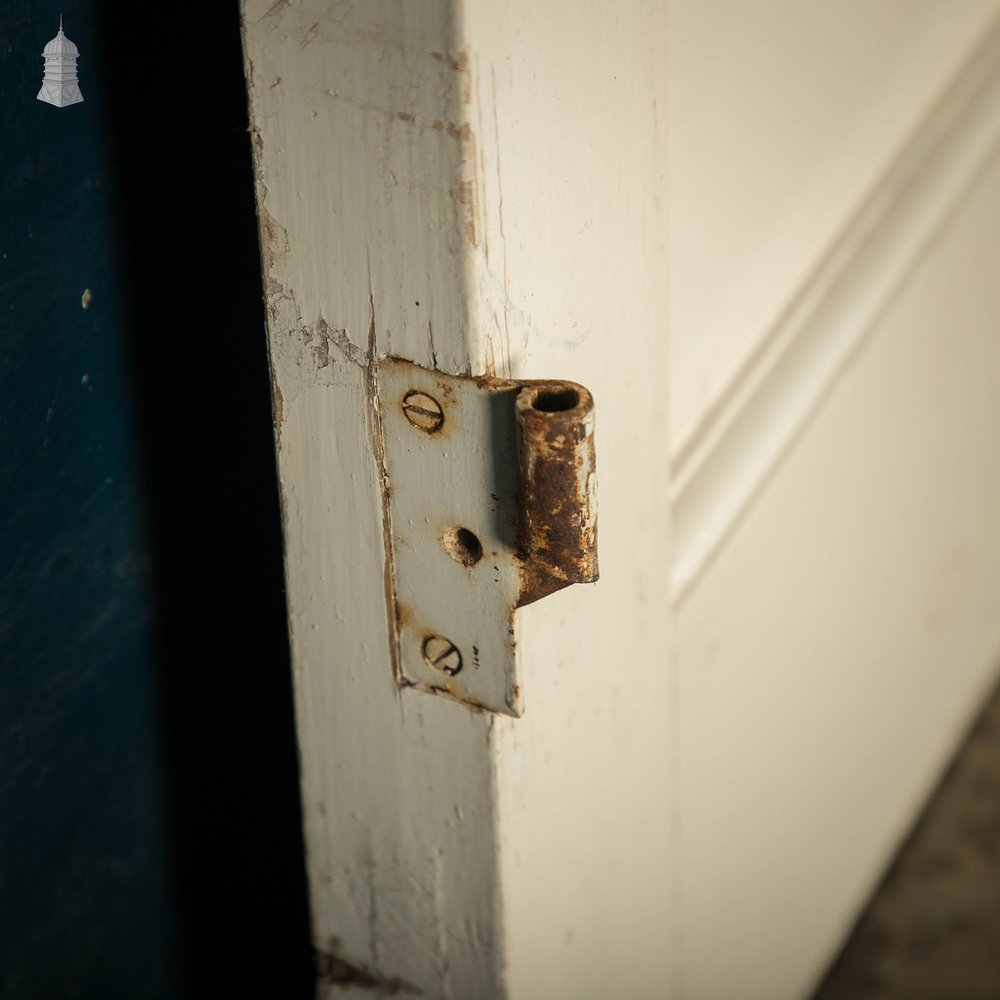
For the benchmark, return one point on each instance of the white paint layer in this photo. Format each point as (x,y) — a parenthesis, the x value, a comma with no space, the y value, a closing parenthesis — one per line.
(358,155)
(433,183)
(833,654)
(697,798)
(566,279)
(784,116)
(743,439)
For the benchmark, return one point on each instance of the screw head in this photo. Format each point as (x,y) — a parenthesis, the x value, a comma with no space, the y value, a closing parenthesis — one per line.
(423,410)
(442,654)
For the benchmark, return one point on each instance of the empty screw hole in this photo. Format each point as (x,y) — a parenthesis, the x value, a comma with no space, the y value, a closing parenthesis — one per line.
(463,546)
(556,400)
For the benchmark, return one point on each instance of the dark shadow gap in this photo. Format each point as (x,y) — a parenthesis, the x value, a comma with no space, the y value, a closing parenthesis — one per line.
(196,330)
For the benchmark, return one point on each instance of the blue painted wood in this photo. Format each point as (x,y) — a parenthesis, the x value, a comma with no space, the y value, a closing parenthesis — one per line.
(150,830)
(84,888)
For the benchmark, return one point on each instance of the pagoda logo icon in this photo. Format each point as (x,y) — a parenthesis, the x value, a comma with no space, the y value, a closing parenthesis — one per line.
(59,85)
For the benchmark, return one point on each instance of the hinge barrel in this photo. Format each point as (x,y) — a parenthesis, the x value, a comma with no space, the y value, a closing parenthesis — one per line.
(558,489)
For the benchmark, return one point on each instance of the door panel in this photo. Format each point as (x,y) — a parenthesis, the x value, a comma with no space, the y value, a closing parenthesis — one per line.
(724,738)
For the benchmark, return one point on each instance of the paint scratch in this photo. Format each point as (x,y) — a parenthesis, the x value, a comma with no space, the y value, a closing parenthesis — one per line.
(503,235)
(430,338)
(377,436)
(274,8)
(310,35)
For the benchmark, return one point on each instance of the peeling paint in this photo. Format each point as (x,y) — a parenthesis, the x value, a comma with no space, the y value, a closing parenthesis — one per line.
(273,250)
(279,408)
(332,969)
(319,338)
(362,93)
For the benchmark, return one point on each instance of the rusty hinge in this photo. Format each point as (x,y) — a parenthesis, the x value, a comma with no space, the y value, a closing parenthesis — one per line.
(490,505)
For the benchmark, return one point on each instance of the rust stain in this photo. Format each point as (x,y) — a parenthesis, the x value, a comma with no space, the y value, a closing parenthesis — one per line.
(465,194)
(273,250)
(459,63)
(279,408)
(462,65)
(448,692)
(405,116)
(255,140)
(333,969)
(463,132)
(558,497)
(546,505)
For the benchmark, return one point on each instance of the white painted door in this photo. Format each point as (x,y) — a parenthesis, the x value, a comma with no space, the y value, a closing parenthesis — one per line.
(762,235)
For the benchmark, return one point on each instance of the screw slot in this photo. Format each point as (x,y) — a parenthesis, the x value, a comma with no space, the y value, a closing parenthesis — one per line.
(556,399)
(463,546)
(423,411)
(442,654)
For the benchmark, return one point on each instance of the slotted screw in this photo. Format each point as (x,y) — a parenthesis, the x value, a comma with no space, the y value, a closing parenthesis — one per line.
(442,654)
(423,410)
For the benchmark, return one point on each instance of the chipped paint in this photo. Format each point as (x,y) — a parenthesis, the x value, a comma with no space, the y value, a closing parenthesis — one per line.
(334,274)
(332,969)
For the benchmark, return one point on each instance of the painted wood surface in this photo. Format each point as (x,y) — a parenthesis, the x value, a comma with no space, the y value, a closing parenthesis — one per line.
(742,440)
(395,220)
(567,280)
(483,188)
(834,654)
(362,242)
(784,117)
(85,901)
(145,689)
(835,583)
